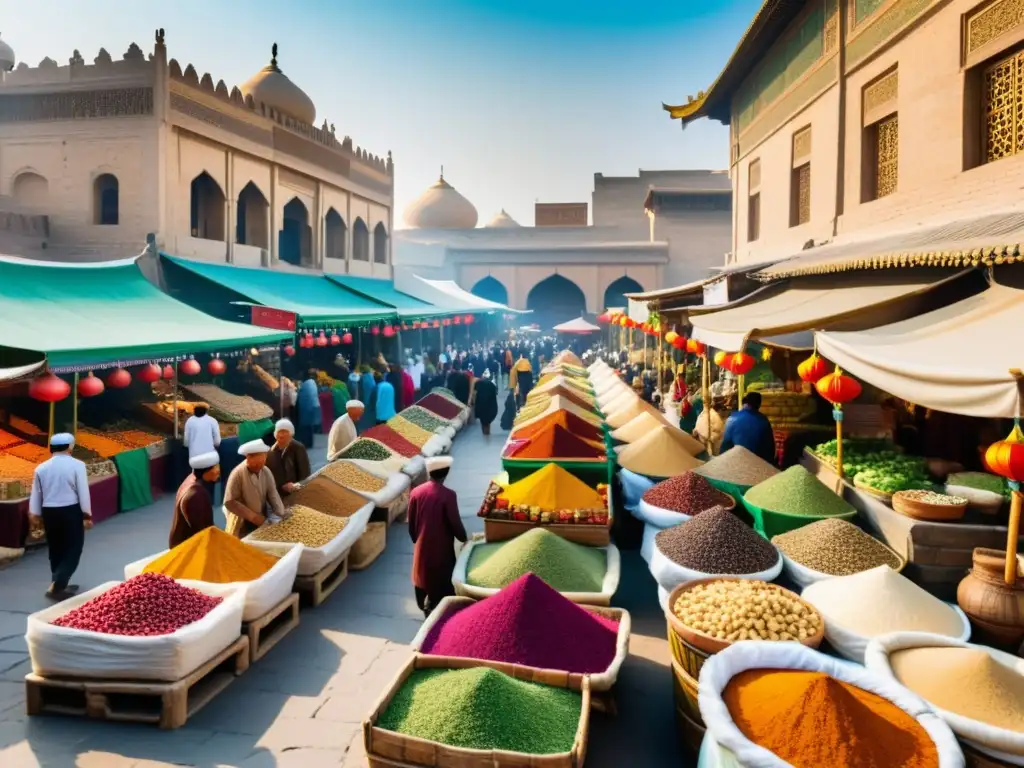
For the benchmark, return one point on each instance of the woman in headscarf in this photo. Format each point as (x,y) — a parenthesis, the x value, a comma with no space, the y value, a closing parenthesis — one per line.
(486,402)
(408,389)
(368,390)
(521,378)
(309,409)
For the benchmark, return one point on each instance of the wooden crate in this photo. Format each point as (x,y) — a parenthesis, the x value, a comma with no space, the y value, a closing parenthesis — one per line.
(264,632)
(586,534)
(168,705)
(369,546)
(390,513)
(318,587)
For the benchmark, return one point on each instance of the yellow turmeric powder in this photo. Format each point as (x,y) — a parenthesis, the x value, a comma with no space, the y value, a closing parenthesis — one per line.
(214,556)
(552,487)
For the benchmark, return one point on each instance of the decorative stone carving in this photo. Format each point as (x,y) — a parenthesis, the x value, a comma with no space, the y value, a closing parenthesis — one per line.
(992,21)
(102,58)
(191,77)
(222,91)
(184,105)
(76,105)
(160,36)
(76,59)
(802,144)
(881,92)
(174,68)
(207,82)
(236,97)
(134,53)
(250,103)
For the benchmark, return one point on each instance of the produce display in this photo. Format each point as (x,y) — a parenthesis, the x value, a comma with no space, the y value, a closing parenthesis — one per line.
(415,434)
(658,454)
(549,495)
(876,465)
(7,440)
(110,443)
(424,419)
(146,605)
(810,719)
(233,407)
(448,395)
(835,547)
(931,497)
(389,438)
(554,442)
(304,526)
(441,406)
(349,475)
(563,565)
(367,449)
(965,681)
(980,481)
(717,542)
(746,610)
(797,492)
(215,556)
(527,623)
(327,497)
(568,421)
(482,708)
(688,493)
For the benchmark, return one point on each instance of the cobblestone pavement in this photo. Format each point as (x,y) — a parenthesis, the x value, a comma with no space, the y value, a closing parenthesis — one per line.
(302,704)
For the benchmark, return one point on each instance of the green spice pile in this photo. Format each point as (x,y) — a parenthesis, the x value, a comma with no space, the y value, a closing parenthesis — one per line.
(563,565)
(423,418)
(980,481)
(367,449)
(737,466)
(797,492)
(481,708)
(835,547)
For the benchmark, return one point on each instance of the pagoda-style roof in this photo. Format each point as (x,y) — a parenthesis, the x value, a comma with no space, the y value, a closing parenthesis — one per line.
(767,26)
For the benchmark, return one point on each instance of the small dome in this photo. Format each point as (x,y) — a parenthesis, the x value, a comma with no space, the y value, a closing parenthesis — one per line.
(7,59)
(272,87)
(502,220)
(441,207)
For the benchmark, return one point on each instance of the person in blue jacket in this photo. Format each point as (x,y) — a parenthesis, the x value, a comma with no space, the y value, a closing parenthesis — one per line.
(385,405)
(751,429)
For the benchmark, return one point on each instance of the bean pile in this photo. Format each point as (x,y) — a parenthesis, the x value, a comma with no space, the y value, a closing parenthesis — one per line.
(305,526)
(930,497)
(423,418)
(146,605)
(716,542)
(688,493)
(835,547)
(442,406)
(482,708)
(327,497)
(797,492)
(393,441)
(738,466)
(369,450)
(351,476)
(746,610)
(414,433)
(564,565)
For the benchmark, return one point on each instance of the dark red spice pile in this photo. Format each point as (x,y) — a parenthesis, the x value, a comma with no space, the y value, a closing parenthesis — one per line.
(557,442)
(688,493)
(145,605)
(442,406)
(527,623)
(384,434)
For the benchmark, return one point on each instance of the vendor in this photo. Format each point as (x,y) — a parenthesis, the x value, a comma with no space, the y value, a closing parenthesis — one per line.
(343,431)
(434,526)
(202,432)
(287,459)
(251,491)
(751,429)
(193,504)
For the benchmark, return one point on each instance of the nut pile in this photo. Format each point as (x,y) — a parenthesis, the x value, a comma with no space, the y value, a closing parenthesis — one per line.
(930,497)
(242,407)
(835,547)
(717,541)
(327,497)
(688,493)
(746,610)
(414,433)
(305,526)
(351,476)
(423,418)
(369,450)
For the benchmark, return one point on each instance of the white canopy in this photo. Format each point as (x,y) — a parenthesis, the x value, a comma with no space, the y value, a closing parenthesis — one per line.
(957,359)
(20,371)
(579,325)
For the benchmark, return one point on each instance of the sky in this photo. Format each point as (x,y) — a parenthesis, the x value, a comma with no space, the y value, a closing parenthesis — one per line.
(521,101)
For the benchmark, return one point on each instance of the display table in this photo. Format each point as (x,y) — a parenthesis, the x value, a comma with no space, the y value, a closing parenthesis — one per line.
(14,514)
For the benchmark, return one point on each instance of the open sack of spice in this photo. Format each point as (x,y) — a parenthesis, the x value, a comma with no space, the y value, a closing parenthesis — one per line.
(977,690)
(679,499)
(551,495)
(219,559)
(150,627)
(779,705)
(378,487)
(829,548)
(647,541)
(633,488)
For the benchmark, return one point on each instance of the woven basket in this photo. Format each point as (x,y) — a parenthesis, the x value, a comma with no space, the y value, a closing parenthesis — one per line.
(690,658)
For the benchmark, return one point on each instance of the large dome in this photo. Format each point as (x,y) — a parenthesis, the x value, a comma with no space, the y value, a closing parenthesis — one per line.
(7,60)
(502,220)
(272,87)
(441,207)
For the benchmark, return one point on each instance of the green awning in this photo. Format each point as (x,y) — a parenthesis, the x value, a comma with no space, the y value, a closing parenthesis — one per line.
(384,291)
(315,299)
(107,313)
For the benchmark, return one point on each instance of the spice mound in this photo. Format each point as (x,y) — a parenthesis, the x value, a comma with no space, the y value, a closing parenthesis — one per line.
(391,439)
(305,526)
(569,421)
(527,623)
(689,494)
(835,547)
(351,476)
(965,681)
(214,556)
(658,454)
(717,542)
(810,720)
(552,487)
(441,406)
(327,497)
(482,708)
(424,419)
(738,466)
(797,492)
(564,565)
(746,610)
(146,605)
(879,601)
(369,450)
(411,432)
(556,442)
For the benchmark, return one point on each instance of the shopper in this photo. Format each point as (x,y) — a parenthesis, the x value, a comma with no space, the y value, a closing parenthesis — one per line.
(193,503)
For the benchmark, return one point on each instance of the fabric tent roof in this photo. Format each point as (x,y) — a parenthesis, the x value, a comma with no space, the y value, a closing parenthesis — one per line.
(448,292)
(314,298)
(107,312)
(955,359)
(810,304)
(20,371)
(579,325)
(384,291)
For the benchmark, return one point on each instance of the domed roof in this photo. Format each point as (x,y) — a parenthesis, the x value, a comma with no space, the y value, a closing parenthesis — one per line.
(441,207)
(502,220)
(6,57)
(272,87)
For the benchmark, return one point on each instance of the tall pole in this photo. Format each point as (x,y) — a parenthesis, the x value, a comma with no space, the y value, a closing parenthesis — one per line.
(176,420)
(74,409)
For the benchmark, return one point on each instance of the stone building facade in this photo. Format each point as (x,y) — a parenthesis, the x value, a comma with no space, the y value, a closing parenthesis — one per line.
(114,149)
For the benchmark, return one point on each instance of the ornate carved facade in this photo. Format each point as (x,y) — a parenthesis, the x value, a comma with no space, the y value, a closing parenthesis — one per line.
(76,105)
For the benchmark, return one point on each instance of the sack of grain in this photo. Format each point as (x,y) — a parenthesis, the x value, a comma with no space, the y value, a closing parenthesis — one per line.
(647,544)
(314,559)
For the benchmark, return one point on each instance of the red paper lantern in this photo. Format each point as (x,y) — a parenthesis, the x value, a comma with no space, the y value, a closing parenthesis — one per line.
(838,388)
(190,367)
(447,321)
(389,331)
(679,342)
(335,339)
(695,347)
(90,386)
(720,358)
(321,340)
(49,388)
(375,331)
(603,317)
(812,369)
(168,372)
(670,337)
(468,319)
(217,366)
(415,324)
(437,323)
(346,338)
(457,320)
(289,351)
(1006,457)
(741,363)
(149,374)
(119,379)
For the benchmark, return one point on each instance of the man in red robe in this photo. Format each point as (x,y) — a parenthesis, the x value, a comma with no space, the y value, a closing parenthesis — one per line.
(434,525)
(193,504)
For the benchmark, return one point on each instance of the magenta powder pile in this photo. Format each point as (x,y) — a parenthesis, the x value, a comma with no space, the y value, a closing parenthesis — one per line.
(527,623)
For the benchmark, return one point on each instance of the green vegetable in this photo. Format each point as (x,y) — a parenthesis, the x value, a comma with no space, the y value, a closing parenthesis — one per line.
(423,418)
(369,450)
(481,708)
(876,464)
(980,481)
(564,565)
(797,492)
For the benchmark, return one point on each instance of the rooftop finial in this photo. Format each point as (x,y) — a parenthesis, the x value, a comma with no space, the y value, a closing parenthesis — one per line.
(442,173)
(273,55)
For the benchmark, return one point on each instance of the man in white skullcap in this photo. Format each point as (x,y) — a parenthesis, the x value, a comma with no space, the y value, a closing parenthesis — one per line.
(60,504)
(343,430)
(202,432)
(434,525)
(287,460)
(193,503)
(251,491)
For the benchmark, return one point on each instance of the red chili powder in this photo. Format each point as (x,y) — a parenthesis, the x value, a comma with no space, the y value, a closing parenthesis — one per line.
(385,434)
(570,421)
(556,442)
(527,623)
(442,406)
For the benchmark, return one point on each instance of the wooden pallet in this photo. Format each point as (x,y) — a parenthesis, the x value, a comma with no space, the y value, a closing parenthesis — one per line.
(168,705)
(318,587)
(264,632)
(369,546)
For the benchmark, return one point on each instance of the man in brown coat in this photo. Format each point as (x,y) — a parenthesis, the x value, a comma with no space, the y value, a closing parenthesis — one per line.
(193,504)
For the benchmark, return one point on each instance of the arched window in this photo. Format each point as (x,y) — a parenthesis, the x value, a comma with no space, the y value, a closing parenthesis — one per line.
(360,241)
(614,294)
(334,235)
(295,238)
(555,300)
(31,190)
(206,208)
(380,244)
(251,220)
(105,200)
(492,289)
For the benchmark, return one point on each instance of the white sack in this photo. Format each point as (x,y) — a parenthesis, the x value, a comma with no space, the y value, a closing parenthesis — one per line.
(414,467)
(436,445)
(801,575)
(670,575)
(663,518)
(62,651)
(663,596)
(315,559)
(721,667)
(647,545)
(397,484)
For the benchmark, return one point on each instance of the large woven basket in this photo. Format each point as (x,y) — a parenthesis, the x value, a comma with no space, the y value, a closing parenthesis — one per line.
(688,720)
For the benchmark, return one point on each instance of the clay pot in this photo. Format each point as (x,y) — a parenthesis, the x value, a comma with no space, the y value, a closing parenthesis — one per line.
(995,608)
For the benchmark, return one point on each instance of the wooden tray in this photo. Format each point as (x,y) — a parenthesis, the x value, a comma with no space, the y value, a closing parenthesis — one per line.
(920,510)
(588,534)
(266,631)
(320,585)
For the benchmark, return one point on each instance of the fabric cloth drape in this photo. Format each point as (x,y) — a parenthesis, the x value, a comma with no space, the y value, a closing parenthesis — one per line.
(135,490)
